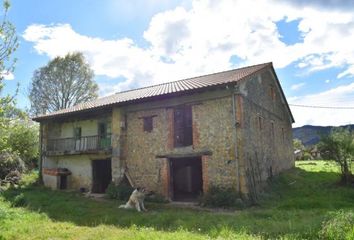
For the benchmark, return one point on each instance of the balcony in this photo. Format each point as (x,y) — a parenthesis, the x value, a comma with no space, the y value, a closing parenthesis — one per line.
(87,144)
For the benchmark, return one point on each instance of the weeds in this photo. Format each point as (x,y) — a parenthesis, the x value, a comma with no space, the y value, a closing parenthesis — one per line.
(303,203)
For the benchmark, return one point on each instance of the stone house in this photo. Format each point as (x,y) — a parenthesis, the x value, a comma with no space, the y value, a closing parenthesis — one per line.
(229,129)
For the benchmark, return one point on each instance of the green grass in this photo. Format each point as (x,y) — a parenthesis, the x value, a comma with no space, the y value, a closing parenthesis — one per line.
(296,204)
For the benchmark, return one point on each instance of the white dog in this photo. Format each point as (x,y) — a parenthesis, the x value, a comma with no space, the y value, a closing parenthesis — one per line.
(136,200)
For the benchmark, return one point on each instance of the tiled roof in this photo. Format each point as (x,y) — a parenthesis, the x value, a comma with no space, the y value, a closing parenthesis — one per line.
(162,89)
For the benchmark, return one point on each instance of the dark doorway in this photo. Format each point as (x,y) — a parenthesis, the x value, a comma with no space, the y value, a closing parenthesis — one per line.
(101,175)
(186,178)
(63,182)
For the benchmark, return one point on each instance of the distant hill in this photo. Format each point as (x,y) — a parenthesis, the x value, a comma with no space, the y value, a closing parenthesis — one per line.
(310,135)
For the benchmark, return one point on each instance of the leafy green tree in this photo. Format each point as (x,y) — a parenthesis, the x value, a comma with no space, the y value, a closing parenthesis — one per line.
(298,144)
(339,146)
(62,83)
(8,44)
(9,160)
(24,140)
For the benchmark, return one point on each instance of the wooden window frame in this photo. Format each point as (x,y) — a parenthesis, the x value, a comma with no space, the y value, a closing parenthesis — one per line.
(148,123)
(183,126)
(260,122)
(77,132)
(99,129)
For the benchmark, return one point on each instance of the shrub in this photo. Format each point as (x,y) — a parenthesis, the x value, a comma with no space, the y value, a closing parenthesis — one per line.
(121,192)
(10,162)
(23,139)
(339,225)
(29,179)
(306,156)
(156,198)
(19,201)
(221,197)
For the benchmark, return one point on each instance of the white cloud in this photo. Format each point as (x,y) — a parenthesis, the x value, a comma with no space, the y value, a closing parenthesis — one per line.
(297,86)
(202,40)
(187,42)
(7,75)
(327,81)
(341,96)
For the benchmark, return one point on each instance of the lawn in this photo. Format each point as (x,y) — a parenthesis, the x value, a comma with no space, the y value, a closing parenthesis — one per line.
(296,204)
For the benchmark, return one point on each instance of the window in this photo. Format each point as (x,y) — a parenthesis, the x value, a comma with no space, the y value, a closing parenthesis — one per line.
(102,129)
(183,133)
(104,139)
(77,132)
(260,122)
(148,124)
(272,93)
(272,129)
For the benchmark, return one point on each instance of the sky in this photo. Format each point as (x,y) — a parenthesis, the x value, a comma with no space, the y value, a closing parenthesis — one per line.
(131,44)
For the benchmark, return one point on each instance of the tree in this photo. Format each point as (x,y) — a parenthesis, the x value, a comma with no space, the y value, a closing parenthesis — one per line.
(8,44)
(339,146)
(298,144)
(62,83)
(23,139)
(9,160)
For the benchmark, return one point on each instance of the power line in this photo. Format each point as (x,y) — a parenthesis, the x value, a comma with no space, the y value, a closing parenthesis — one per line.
(326,107)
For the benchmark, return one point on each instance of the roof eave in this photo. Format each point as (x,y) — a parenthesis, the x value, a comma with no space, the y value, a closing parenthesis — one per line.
(179,93)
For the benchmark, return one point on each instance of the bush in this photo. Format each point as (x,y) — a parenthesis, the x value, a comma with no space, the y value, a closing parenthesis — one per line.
(306,156)
(29,179)
(221,197)
(19,201)
(23,139)
(339,225)
(156,198)
(121,192)
(10,162)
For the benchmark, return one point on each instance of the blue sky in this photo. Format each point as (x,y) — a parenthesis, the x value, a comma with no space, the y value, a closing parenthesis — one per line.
(136,43)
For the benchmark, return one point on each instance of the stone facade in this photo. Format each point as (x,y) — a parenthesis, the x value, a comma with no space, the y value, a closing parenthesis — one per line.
(264,131)
(142,148)
(241,132)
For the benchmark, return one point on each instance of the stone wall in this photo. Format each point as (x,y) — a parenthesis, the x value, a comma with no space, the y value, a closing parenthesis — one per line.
(263,137)
(142,147)
(213,124)
(264,131)
(212,131)
(118,134)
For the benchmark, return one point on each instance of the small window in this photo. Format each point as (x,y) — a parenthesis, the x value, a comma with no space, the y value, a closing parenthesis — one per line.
(272,129)
(102,129)
(260,122)
(272,93)
(148,124)
(77,132)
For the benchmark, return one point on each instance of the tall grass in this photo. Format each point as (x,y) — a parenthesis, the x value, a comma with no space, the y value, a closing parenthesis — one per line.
(296,206)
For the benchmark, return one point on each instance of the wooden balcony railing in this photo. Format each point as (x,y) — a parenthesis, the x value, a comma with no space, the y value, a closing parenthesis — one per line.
(83,144)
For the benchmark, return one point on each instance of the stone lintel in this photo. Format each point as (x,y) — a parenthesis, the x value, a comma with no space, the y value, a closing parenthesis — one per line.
(185,154)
